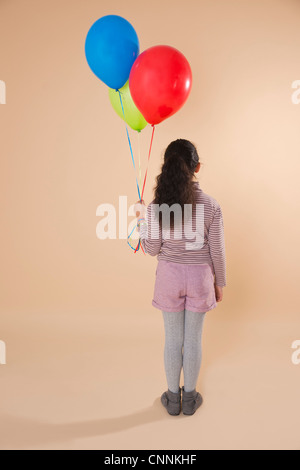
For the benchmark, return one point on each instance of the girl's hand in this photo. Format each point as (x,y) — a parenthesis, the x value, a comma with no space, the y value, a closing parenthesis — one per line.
(219,293)
(140,209)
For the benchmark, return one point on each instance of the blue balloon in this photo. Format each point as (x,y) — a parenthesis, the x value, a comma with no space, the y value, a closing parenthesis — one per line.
(111,47)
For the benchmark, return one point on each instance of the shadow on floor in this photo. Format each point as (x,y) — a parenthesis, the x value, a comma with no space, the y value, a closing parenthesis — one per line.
(19,432)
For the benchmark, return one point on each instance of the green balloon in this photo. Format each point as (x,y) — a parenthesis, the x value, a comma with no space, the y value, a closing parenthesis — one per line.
(133,116)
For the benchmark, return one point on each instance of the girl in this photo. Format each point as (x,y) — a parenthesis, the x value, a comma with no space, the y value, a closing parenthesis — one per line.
(190,275)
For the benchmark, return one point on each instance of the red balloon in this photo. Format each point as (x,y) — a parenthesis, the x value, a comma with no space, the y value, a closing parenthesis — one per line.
(160,81)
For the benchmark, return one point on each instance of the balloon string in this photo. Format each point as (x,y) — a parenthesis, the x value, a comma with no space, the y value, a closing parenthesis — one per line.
(153,128)
(139,246)
(137,184)
(129,237)
(139,148)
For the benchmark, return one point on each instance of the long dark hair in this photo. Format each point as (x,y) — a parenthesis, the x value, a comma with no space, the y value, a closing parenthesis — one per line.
(174,184)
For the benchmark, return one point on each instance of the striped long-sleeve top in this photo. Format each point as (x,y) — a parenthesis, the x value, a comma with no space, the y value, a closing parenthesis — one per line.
(199,240)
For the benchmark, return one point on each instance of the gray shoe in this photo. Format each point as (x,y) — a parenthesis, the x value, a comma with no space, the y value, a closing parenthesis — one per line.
(172,402)
(190,401)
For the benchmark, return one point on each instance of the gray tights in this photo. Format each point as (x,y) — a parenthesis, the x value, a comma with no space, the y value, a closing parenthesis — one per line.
(183,330)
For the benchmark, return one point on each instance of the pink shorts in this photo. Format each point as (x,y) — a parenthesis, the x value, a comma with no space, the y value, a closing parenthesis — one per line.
(184,286)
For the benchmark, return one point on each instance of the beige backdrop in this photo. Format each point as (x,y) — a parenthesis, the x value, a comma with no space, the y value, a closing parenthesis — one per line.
(84,344)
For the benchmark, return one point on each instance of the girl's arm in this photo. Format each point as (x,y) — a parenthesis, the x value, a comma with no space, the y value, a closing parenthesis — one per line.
(217,247)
